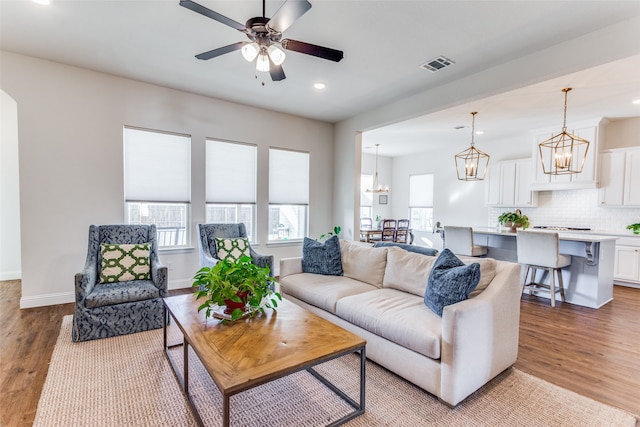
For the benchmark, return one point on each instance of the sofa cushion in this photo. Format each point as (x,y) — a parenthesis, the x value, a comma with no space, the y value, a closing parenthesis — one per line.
(411,248)
(407,271)
(322,258)
(322,291)
(232,249)
(450,281)
(396,316)
(121,292)
(488,268)
(363,262)
(124,262)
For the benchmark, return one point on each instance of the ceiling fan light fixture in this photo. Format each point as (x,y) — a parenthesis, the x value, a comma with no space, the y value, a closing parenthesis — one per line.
(250,51)
(276,55)
(262,64)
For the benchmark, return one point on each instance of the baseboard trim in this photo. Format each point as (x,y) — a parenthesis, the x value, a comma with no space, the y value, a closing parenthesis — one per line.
(47,299)
(67,297)
(10,275)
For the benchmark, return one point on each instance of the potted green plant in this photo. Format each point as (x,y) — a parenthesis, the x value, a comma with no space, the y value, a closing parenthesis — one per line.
(242,287)
(634,227)
(513,220)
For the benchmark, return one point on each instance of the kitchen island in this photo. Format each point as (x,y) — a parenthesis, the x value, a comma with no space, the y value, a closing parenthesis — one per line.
(588,281)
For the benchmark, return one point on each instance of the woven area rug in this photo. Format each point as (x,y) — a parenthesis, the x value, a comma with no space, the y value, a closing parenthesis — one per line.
(127,381)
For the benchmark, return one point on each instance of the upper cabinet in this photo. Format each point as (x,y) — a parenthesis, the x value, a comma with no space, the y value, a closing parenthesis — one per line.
(509,184)
(620,177)
(591,131)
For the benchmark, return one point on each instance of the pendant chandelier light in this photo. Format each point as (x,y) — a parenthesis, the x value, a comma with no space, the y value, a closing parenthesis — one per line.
(564,153)
(377,187)
(471,164)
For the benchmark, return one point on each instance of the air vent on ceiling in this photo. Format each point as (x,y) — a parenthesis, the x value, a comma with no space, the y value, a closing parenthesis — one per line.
(437,64)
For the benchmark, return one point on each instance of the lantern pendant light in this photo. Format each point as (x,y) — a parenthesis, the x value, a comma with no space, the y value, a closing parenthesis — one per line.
(471,164)
(377,187)
(563,153)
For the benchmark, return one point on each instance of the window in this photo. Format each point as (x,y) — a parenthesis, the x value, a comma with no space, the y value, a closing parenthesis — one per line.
(366,199)
(288,194)
(421,201)
(231,184)
(157,183)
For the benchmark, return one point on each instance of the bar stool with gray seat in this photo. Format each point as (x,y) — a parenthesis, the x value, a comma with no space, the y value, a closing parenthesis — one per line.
(541,250)
(459,240)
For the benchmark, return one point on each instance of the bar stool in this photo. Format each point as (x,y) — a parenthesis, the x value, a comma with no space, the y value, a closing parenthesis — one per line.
(540,250)
(459,240)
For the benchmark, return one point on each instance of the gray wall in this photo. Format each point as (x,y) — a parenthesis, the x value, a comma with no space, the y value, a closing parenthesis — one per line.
(70,123)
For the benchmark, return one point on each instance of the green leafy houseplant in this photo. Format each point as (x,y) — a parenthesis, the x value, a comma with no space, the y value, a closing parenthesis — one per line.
(336,230)
(634,227)
(240,282)
(514,219)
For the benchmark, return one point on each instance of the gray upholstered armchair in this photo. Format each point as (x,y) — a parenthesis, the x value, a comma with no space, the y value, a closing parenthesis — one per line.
(208,250)
(119,307)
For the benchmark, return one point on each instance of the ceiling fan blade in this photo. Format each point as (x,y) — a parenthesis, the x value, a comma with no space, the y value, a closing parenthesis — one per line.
(288,13)
(312,49)
(211,14)
(220,51)
(276,71)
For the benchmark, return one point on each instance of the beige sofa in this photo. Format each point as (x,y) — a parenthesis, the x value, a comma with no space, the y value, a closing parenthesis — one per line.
(380,298)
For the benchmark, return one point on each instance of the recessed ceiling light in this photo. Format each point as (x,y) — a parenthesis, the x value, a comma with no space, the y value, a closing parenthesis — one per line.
(319,85)
(43,2)
(479,132)
(636,101)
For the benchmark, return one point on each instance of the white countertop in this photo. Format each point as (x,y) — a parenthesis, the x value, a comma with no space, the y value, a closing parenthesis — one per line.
(578,236)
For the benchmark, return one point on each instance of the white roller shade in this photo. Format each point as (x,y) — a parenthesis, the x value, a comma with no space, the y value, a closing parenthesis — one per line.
(231,172)
(164,176)
(288,177)
(421,190)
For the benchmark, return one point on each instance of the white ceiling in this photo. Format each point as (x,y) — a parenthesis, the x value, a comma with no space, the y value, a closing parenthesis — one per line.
(384,43)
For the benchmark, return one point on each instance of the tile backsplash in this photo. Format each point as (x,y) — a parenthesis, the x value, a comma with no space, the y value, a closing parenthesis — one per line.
(574,208)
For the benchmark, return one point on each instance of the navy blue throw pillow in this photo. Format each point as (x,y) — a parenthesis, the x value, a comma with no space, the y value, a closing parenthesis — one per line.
(411,248)
(322,258)
(450,281)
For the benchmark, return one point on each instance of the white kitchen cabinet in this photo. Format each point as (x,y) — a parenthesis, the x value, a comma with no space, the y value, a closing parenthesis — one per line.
(588,178)
(508,184)
(627,264)
(632,178)
(620,178)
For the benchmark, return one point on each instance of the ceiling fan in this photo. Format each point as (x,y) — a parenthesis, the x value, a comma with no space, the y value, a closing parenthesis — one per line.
(265,34)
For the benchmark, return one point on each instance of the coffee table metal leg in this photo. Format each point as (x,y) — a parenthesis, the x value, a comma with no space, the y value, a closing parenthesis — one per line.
(225,410)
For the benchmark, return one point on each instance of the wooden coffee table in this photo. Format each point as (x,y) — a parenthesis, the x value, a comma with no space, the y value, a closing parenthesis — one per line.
(247,353)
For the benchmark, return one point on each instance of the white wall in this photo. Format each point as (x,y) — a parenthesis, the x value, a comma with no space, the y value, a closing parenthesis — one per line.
(9,188)
(71,168)
(602,46)
(385,175)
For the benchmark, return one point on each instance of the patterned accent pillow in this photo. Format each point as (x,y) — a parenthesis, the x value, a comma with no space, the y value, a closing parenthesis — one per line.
(122,263)
(450,281)
(232,249)
(322,258)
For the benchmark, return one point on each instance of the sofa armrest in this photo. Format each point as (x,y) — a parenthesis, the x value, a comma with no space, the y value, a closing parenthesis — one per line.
(84,282)
(159,275)
(480,336)
(289,266)
(262,260)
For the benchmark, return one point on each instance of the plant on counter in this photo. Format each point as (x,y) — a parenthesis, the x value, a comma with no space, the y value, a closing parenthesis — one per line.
(514,220)
(240,286)
(634,227)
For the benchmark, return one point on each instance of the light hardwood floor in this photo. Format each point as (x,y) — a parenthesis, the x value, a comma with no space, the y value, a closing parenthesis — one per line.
(595,353)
